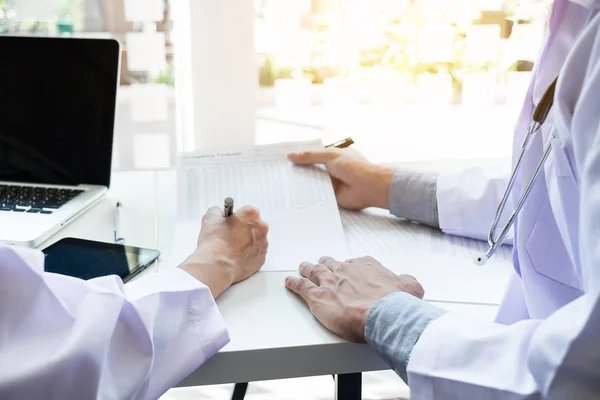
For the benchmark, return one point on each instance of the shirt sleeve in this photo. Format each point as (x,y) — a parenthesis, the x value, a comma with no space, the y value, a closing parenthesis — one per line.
(413,196)
(61,335)
(395,324)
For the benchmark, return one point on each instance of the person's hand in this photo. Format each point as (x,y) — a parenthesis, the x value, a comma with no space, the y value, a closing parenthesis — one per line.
(357,183)
(229,249)
(340,294)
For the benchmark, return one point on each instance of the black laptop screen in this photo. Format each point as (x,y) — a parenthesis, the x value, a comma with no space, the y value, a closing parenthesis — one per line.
(57,109)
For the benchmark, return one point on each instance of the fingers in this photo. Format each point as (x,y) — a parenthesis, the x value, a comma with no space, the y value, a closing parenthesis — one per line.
(331,263)
(214,211)
(314,156)
(251,215)
(301,286)
(318,274)
(355,153)
(248,213)
(262,229)
(412,286)
(407,277)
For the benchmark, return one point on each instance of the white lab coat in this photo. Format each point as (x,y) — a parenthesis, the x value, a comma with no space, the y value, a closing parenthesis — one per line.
(546,343)
(65,338)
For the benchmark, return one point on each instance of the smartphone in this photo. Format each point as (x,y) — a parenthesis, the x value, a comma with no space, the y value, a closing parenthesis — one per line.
(87,259)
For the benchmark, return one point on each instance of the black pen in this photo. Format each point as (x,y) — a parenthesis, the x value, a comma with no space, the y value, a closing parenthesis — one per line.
(342,144)
(228,207)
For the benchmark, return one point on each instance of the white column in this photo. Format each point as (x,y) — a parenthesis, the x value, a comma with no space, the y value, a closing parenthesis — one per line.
(216,74)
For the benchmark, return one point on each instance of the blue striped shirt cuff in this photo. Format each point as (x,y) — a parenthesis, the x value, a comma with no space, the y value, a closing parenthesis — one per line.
(395,324)
(413,195)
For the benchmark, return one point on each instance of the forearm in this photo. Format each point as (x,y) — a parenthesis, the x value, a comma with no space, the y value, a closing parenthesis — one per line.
(395,324)
(412,195)
(73,336)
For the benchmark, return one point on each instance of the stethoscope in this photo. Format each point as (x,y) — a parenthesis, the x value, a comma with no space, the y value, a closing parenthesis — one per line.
(539,117)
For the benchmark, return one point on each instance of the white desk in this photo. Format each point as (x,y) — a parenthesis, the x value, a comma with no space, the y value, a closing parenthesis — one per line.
(273,334)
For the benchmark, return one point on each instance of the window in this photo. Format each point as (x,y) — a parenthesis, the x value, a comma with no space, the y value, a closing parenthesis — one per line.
(408,79)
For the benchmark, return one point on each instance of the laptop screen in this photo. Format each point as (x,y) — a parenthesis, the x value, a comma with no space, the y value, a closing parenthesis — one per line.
(57,109)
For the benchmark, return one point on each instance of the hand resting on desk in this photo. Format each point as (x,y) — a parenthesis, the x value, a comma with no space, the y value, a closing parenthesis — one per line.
(229,249)
(341,294)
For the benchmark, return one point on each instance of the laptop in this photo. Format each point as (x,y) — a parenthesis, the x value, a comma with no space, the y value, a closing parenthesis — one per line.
(57,113)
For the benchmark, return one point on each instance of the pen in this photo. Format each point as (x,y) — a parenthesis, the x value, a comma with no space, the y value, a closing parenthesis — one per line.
(228,207)
(342,144)
(118,238)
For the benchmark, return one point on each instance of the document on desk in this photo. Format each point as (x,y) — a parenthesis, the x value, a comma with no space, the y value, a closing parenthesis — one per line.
(375,229)
(297,202)
(443,264)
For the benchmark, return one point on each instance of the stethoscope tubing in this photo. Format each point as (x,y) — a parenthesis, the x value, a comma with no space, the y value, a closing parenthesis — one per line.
(539,117)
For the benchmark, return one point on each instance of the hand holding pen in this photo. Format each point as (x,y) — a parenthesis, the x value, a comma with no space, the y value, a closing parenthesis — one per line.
(231,247)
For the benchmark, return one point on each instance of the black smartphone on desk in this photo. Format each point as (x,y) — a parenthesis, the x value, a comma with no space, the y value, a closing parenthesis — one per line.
(87,259)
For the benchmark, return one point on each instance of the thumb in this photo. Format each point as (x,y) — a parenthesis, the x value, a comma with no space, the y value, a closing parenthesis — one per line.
(213,212)
(314,156)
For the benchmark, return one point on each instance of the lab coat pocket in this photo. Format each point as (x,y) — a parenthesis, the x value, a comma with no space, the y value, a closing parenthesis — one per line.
(552,245)
(561,160)
(547,251)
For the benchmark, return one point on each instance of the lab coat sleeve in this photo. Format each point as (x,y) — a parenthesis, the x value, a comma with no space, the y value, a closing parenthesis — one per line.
(559,357)
(467,200)
(62,337)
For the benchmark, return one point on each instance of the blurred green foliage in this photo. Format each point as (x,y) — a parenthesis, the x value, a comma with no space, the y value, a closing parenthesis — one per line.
(166,76)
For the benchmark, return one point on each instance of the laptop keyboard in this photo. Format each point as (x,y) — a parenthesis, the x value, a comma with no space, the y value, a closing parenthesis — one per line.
(30,199)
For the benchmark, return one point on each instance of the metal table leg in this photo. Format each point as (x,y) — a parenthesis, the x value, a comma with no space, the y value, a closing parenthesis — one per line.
(348,386)
(239,391)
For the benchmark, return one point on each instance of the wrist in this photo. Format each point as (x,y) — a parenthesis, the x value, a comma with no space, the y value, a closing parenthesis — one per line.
(360,325)
(211,271)
(381,179)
